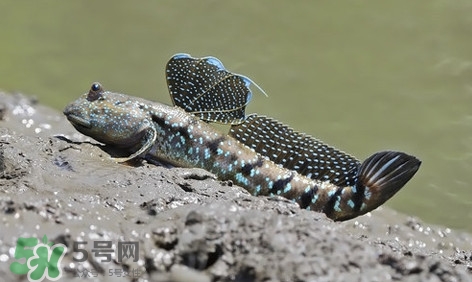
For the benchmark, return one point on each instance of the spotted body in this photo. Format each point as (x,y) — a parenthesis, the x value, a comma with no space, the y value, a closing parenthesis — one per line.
(259,154)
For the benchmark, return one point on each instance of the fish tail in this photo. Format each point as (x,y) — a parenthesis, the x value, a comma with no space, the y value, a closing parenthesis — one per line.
(379,177)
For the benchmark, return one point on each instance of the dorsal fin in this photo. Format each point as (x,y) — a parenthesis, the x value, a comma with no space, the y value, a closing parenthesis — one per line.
(203,87)
(296,151)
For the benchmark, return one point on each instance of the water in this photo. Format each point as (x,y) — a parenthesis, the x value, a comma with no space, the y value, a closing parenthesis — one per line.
(361,75)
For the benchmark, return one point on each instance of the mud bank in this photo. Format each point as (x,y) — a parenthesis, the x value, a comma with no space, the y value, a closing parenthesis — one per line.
(188,225)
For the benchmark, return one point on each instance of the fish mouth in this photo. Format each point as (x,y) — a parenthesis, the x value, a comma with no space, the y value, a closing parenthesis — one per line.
(77,120)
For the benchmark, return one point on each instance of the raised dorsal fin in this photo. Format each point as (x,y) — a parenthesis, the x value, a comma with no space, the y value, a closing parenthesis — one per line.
(203,87)
(296,151)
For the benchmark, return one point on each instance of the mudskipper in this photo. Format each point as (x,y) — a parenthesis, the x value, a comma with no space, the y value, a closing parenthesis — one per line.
(259,154)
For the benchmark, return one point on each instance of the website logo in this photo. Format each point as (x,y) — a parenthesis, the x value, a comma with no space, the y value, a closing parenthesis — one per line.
(43,259)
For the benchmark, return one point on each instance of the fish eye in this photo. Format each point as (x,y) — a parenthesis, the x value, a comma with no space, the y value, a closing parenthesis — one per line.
(96,86)
(95,92)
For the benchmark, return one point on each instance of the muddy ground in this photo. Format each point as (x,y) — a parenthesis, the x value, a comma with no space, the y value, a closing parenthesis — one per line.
(190,226)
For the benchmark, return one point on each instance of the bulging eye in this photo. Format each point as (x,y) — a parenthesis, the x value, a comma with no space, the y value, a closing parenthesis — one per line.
(96,86)
(95,92)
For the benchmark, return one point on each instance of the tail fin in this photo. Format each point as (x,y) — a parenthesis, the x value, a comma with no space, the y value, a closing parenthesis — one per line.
(384,173)
(379,177)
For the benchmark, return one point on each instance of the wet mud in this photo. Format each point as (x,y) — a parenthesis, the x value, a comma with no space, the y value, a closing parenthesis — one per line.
(189,226)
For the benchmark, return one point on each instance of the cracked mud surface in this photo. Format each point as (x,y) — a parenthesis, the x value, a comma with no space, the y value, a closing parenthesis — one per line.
(189,225)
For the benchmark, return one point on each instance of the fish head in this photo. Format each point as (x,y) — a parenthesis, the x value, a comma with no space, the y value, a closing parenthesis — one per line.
(110,118)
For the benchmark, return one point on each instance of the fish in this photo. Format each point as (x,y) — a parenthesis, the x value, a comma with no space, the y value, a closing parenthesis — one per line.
(260,154)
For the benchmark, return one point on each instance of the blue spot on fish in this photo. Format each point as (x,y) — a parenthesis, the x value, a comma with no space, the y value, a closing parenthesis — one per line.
(350,203)
(287,188)
(337,203)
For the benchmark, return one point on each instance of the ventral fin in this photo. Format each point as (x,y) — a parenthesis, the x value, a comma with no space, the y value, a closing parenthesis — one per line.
(203,87)
(296,151)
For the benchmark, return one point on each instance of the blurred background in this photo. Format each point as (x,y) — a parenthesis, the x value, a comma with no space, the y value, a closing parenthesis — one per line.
(363,76)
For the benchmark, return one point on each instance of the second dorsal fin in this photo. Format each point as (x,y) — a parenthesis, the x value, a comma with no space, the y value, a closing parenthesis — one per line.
(296,151)
(203,87)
